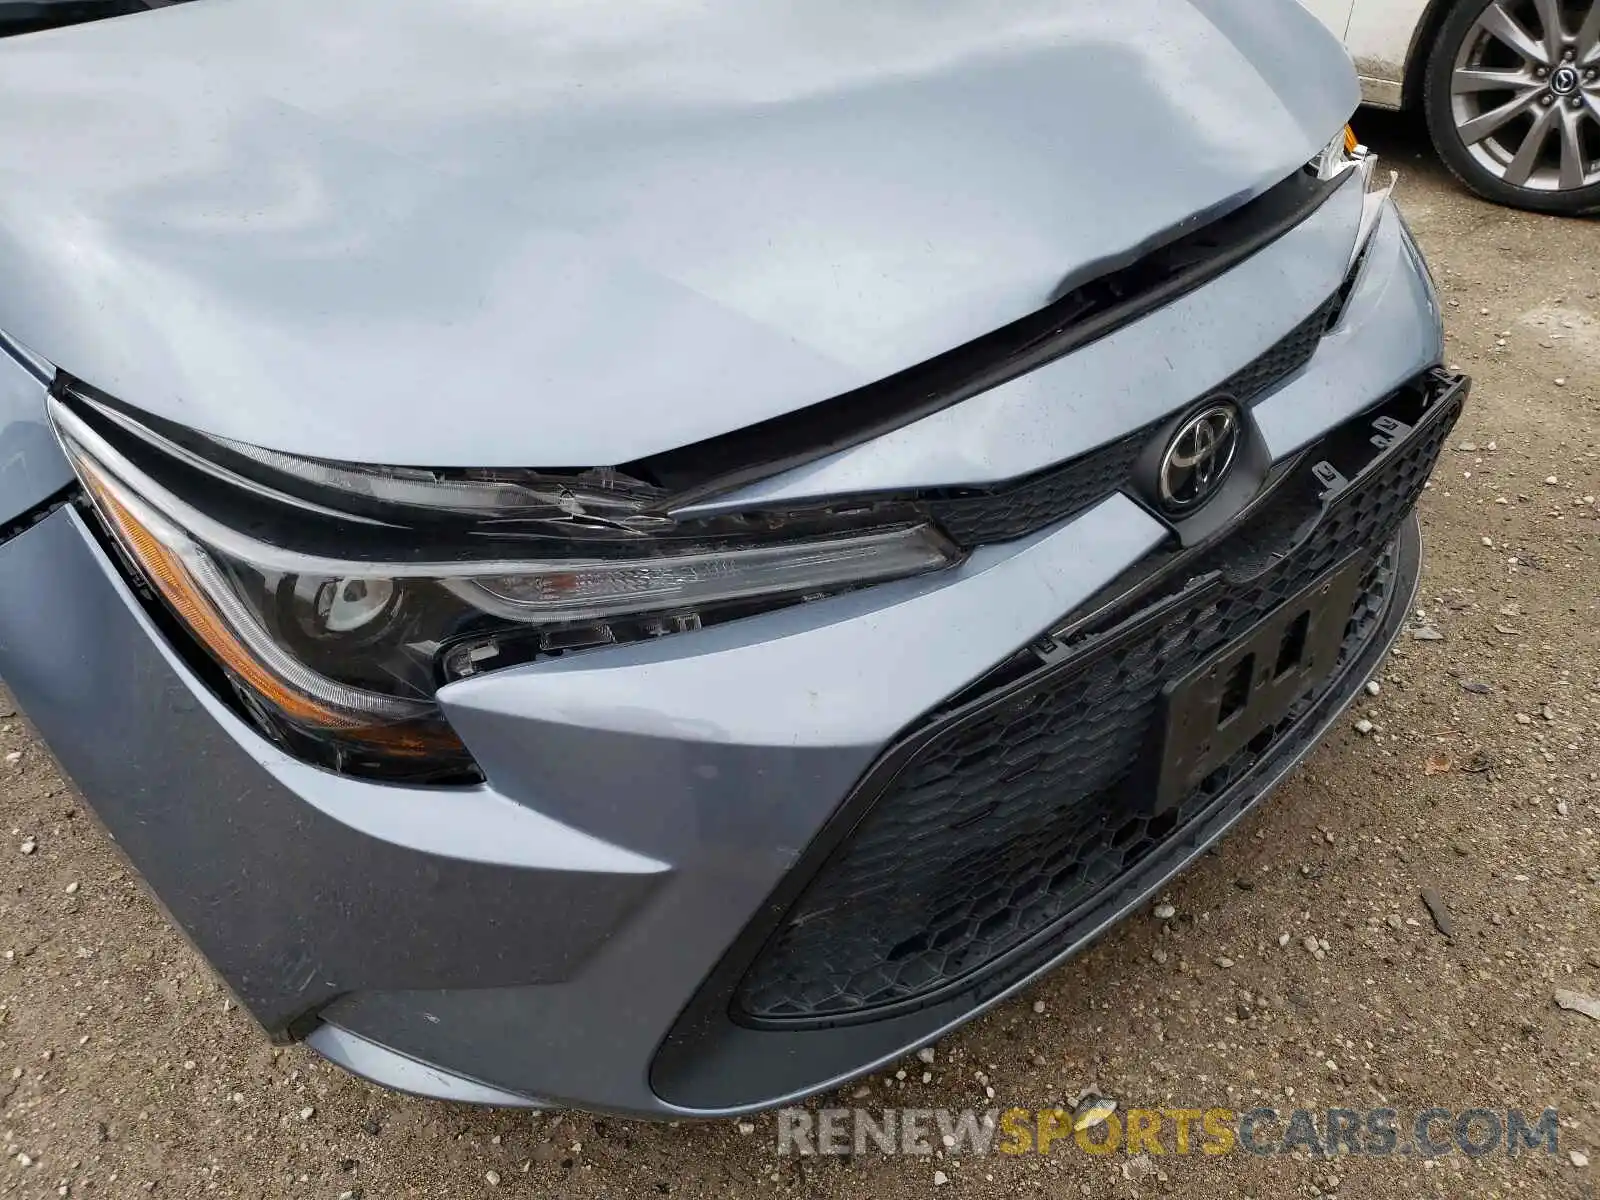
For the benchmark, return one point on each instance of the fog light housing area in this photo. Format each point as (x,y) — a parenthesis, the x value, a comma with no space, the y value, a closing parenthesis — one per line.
(336,599)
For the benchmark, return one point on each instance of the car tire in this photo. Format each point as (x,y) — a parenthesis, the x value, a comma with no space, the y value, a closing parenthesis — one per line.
(1497,166)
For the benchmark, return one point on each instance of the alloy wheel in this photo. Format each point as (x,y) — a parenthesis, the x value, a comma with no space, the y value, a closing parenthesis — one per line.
(1525,93)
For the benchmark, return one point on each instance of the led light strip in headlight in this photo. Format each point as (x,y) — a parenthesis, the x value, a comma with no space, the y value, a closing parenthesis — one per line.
(339,655)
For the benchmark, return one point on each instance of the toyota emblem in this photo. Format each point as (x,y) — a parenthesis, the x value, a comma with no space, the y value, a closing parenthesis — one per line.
(1197,458)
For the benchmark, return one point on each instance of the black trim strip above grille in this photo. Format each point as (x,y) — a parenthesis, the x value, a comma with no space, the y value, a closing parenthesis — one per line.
(1088,312)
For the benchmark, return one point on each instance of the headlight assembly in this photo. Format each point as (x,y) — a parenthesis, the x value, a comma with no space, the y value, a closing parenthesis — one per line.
(1342,152)
(338,598)
(1346,153)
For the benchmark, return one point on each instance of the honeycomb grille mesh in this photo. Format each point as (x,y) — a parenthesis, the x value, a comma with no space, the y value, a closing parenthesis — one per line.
(1005,825)
(1018,509)
(1285,357)
(981,516)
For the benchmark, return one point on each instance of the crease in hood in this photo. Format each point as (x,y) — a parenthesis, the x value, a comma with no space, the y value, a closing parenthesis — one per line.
(566,234)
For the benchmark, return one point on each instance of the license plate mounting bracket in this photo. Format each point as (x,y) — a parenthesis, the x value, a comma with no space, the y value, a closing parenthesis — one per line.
(1221,705)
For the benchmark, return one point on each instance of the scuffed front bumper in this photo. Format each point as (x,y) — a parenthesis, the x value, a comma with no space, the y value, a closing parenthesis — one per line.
(576,929)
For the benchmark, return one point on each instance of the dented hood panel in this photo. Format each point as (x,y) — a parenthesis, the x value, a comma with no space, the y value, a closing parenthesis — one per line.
(570,233)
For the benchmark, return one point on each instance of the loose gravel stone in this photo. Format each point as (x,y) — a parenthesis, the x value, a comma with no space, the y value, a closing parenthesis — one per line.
(1577,1002)
(1092,1109)
(1440,912)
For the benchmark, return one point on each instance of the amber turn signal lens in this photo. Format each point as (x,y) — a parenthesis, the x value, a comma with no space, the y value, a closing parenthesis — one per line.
(170,576)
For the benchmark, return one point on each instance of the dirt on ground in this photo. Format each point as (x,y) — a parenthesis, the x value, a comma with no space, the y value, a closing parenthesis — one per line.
(1299,965)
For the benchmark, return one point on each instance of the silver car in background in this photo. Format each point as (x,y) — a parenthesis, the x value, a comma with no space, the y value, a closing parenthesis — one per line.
(658,557)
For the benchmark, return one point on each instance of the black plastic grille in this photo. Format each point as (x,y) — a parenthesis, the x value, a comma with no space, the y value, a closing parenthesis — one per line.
(981,516)
(1291,352)
(1013,818)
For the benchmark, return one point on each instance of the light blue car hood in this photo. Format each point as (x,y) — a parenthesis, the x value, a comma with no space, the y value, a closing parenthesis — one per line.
(570,233)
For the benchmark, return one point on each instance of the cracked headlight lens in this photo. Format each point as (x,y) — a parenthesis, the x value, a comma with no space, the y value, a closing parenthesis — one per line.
(1346,153)
(337,598)
(1342,152)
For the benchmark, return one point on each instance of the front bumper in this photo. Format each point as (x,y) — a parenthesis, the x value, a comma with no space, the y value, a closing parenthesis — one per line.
(578,928)
(1008,828)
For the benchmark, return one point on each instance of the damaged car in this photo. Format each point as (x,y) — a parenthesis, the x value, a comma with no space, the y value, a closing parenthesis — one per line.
(657,558)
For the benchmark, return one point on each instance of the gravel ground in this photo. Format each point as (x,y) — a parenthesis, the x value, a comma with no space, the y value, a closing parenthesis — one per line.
(124,1069)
